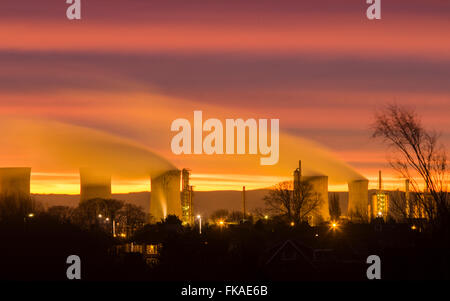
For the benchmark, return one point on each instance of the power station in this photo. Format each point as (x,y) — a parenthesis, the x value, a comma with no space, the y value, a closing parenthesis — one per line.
(15,183)
(94,184)
(165,196)
(380,202)
(319,191)
(15,191)
(358,199)
(168,199)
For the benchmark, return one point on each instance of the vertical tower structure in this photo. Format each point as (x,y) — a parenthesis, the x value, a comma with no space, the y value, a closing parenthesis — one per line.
(15,191)
(15,182)
(358,199)
(94,184)
(165,196)
(186,197)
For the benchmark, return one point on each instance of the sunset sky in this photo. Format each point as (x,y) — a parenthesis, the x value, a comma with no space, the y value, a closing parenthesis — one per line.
(130,67)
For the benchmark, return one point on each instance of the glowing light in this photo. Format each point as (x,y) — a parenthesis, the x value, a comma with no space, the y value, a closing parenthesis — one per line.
(221,223)
(100,216)
(292,224)
(199,217)
(334,226)
(266,217)
(107,219)
(413,227)
(31,215)
(317,235)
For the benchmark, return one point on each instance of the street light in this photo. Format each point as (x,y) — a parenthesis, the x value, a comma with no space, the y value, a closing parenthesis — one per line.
(99,216)
(31,215)
(266,217)
(200,224)
(221,223)
(334,226)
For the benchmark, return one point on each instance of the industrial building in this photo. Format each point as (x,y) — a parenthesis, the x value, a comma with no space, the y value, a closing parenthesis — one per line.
(186,198)
(15,182)
(94,184)
(165,196)
(358,200)
(319,190)
(379,204)
(15,197)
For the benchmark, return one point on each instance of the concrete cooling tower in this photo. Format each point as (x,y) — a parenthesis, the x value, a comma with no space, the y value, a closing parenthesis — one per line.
(320,189)
(358,199)
(94,184)
(165,195)
(15,183)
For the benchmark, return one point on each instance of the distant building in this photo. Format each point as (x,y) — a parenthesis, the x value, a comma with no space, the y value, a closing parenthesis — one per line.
(165,196)
(15,182)
(94,184)
(358,200)
(15,197)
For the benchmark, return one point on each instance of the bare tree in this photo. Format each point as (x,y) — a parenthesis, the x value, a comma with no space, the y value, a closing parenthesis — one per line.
(219,215)
(281,200)
(129,218)
(62,213)
(418,156)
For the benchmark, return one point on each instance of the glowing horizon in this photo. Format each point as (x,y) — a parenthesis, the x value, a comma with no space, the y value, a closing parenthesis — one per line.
(128,69)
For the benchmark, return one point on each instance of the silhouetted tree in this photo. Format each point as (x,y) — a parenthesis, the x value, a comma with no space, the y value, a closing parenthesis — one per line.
(61,213)
(220,214)
(131,216)
(16,207)
(281,201)
(97,212)
(417,153)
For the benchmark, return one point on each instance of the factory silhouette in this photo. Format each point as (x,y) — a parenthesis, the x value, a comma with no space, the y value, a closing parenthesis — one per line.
(168,198)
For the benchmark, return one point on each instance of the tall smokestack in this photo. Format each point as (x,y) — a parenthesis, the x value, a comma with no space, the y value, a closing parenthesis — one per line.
(409,207)
(191,204)
(94,184)
(243,202)
(165,196)
(379,180)
(297,178)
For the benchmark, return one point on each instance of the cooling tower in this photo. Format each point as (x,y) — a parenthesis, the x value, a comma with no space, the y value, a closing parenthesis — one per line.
(15,183)
(15,198)
(358,199)
(165,196)
(320,189)
(94,184)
